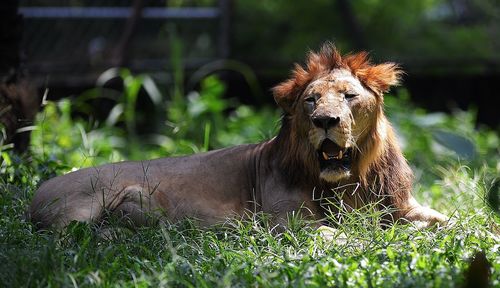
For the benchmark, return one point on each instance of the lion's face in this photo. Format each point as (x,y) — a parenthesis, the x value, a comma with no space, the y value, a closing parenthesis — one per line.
(339,112)
(334,119)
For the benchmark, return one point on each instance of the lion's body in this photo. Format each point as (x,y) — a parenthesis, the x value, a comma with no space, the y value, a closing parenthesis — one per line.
(210,187)
(335,143)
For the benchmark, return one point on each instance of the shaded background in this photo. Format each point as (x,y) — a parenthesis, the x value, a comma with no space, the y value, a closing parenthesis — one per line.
(449,48)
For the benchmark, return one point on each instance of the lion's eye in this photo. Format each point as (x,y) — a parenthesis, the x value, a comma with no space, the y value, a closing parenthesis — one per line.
(310,100)
(350,95)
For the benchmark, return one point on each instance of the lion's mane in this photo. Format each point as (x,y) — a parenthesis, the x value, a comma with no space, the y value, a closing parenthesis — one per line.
(378,163)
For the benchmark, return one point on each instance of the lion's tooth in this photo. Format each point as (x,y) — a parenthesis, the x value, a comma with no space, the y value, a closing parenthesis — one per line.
(325,156)
(340,154)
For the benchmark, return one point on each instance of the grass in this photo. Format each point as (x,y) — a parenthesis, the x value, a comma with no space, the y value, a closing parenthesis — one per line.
(454,176)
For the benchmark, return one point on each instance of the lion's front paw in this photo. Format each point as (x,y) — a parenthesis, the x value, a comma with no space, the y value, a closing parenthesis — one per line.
(424,217)
(332,235)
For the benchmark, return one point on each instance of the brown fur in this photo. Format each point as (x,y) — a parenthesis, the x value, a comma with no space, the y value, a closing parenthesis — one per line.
(278,176)
(378,78)
(379,165)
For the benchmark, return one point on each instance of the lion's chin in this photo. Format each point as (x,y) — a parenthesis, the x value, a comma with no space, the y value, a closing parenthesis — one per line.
(334,176)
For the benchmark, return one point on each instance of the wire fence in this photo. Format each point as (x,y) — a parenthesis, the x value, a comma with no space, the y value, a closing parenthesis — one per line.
(74,41)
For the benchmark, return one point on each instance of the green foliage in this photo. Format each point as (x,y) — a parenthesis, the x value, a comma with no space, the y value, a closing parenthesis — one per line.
(206,109)
(197,122)
(418,32)
(246,253)
(73,142)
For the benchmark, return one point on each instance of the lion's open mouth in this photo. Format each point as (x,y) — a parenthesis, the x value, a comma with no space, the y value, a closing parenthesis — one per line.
(332,157)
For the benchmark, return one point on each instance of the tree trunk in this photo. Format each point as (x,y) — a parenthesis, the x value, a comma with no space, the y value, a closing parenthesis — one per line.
(352,25)
(18,99)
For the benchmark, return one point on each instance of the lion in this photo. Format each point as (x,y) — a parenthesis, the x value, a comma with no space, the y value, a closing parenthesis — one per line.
(334,137)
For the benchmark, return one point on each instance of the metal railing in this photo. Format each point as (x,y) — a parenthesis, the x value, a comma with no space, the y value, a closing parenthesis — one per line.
(120,12)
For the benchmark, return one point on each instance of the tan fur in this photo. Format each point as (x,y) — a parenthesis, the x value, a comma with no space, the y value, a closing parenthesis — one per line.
(278,176)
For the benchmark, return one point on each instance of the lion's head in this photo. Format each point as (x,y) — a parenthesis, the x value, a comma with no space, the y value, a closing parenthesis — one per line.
(334,124)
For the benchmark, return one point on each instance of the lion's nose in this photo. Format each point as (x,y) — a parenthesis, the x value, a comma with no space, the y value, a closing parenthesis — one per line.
(325,122)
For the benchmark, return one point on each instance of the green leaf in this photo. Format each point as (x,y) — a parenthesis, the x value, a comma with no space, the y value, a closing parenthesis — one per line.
(462,146)
(493,195)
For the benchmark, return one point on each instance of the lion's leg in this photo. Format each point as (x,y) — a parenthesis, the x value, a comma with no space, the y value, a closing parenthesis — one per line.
(422,216)
(94,205)
(60,211)
(51,208)
(332,234)
(291,211)
(137,206)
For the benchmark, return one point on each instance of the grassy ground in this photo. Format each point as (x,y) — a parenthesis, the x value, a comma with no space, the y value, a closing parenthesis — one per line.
(455,165)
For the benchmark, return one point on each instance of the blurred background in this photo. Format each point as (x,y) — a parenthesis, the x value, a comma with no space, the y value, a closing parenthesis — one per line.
(448,48)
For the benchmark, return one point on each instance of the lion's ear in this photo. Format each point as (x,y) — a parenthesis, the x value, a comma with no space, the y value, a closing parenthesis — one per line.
(284,95)
(380,77)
